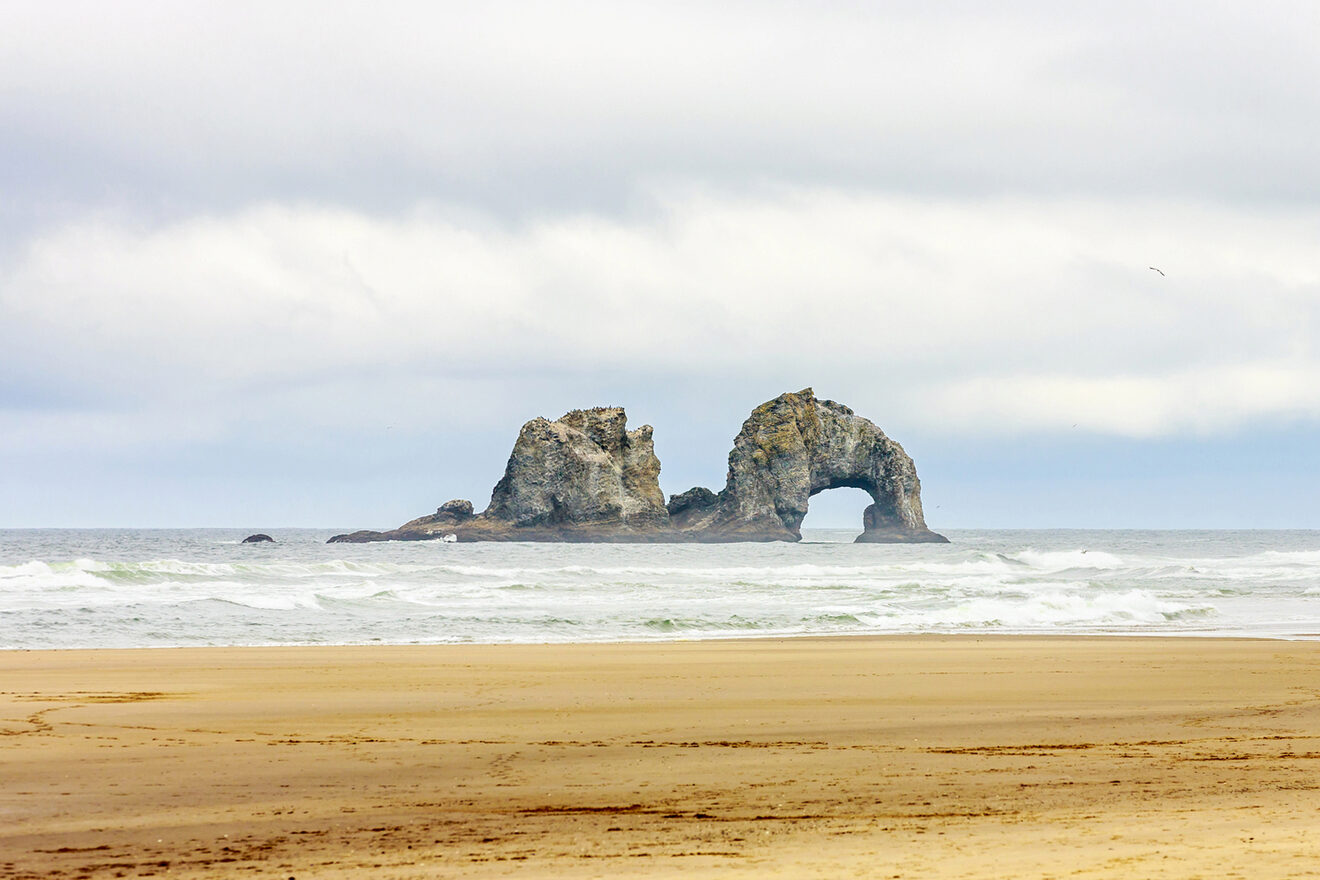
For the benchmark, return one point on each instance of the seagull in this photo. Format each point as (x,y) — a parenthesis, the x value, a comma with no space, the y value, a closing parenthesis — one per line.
(1153,269)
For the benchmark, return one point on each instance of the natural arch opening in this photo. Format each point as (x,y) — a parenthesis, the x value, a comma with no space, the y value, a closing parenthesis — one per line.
(835,514)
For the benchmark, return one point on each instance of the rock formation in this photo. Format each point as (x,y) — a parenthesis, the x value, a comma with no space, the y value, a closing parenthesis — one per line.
(585,477)
(796,446)
(585,469)
(582,477)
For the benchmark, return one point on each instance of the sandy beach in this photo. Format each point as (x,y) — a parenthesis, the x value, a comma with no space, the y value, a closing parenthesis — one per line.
(871,757)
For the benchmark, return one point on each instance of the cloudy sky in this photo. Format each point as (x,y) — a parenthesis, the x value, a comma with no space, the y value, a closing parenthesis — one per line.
(314,264)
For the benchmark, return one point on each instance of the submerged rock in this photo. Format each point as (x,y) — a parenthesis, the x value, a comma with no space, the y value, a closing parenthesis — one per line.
(585,477)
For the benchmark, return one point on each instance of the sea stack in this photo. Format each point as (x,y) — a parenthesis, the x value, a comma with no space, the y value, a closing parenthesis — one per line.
(586,477)
(794,447)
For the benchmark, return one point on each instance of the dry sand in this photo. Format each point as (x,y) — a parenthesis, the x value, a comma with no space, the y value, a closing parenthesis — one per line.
(886,757)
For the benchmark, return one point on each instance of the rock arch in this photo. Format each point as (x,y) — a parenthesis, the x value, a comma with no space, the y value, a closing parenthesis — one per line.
(794,447)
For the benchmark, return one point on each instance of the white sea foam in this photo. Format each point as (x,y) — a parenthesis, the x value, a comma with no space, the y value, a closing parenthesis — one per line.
(1060,560)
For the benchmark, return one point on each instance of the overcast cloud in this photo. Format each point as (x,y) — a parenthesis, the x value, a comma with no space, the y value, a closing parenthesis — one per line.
(443,219)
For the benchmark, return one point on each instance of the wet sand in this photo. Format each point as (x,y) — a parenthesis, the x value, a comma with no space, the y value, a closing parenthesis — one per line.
(869,757)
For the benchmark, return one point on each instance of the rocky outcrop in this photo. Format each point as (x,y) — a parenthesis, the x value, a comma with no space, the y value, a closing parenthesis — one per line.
(432,526)
(459,510)
(581,477)
(585,477)
(794,447)
(692,510)
(583,469)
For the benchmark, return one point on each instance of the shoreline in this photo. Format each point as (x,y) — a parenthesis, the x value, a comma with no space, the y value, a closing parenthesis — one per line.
(911,755)
(722,638)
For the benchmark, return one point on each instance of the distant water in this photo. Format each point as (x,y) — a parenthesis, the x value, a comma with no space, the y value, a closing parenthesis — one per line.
(136,588)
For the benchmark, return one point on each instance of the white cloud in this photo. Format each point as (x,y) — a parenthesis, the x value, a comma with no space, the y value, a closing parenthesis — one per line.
(1203,401)
(1009,315)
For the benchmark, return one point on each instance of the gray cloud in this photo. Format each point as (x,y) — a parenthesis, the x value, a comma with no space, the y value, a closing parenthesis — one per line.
(524,107)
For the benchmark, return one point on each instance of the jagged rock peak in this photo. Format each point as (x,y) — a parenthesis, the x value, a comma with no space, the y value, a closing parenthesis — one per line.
(584,467)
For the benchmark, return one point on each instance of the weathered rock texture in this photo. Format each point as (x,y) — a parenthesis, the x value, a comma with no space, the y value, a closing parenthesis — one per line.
(585,477)
(585,469)
(795,446)
(582,477)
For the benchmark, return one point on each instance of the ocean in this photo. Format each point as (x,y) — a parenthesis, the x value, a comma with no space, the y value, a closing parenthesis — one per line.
(125,588)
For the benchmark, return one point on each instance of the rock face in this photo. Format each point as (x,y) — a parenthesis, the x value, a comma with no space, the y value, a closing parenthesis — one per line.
(585,477)
(585,469)
(693,509)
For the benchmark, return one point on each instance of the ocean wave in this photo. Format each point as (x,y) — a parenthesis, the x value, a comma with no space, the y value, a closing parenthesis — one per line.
(155,590)
(268,602)
(704,624)
(1064,560)
(38,577)
(983,568)
(1050,611)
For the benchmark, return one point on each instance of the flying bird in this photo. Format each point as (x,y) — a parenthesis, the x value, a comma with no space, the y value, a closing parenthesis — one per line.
(1153,269)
